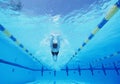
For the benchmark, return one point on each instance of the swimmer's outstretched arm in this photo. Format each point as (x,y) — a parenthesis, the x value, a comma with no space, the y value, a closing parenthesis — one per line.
(58,39)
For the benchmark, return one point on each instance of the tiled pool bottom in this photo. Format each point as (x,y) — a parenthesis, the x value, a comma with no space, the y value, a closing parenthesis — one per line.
(57,82)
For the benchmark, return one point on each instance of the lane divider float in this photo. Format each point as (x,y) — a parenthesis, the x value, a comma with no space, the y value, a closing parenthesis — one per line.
(106,57)
(9,35)
(108,16)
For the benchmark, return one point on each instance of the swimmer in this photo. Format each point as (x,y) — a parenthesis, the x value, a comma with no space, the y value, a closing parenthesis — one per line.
(55,46)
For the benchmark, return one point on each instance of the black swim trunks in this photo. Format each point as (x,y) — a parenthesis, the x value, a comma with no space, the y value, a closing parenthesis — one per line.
(55,53)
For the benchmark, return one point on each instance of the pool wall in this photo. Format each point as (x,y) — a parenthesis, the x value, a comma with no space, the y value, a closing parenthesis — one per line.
(16,67)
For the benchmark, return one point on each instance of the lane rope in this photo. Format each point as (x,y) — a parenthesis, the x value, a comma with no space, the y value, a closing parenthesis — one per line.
(9,35)
(108,16)
(107,57)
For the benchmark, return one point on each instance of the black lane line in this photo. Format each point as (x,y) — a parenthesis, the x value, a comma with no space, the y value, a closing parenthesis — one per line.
(18,65)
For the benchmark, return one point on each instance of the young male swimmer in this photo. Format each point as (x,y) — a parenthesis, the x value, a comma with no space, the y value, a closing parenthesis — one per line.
(55,46)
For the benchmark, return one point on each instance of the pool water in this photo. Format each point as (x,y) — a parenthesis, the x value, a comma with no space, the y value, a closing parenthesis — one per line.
(89,41)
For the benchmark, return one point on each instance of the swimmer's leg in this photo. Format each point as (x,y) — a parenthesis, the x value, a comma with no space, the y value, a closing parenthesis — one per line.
(55,58)
(56,53)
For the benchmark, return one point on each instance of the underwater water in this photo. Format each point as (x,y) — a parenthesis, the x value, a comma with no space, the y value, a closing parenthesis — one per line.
(89,49)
